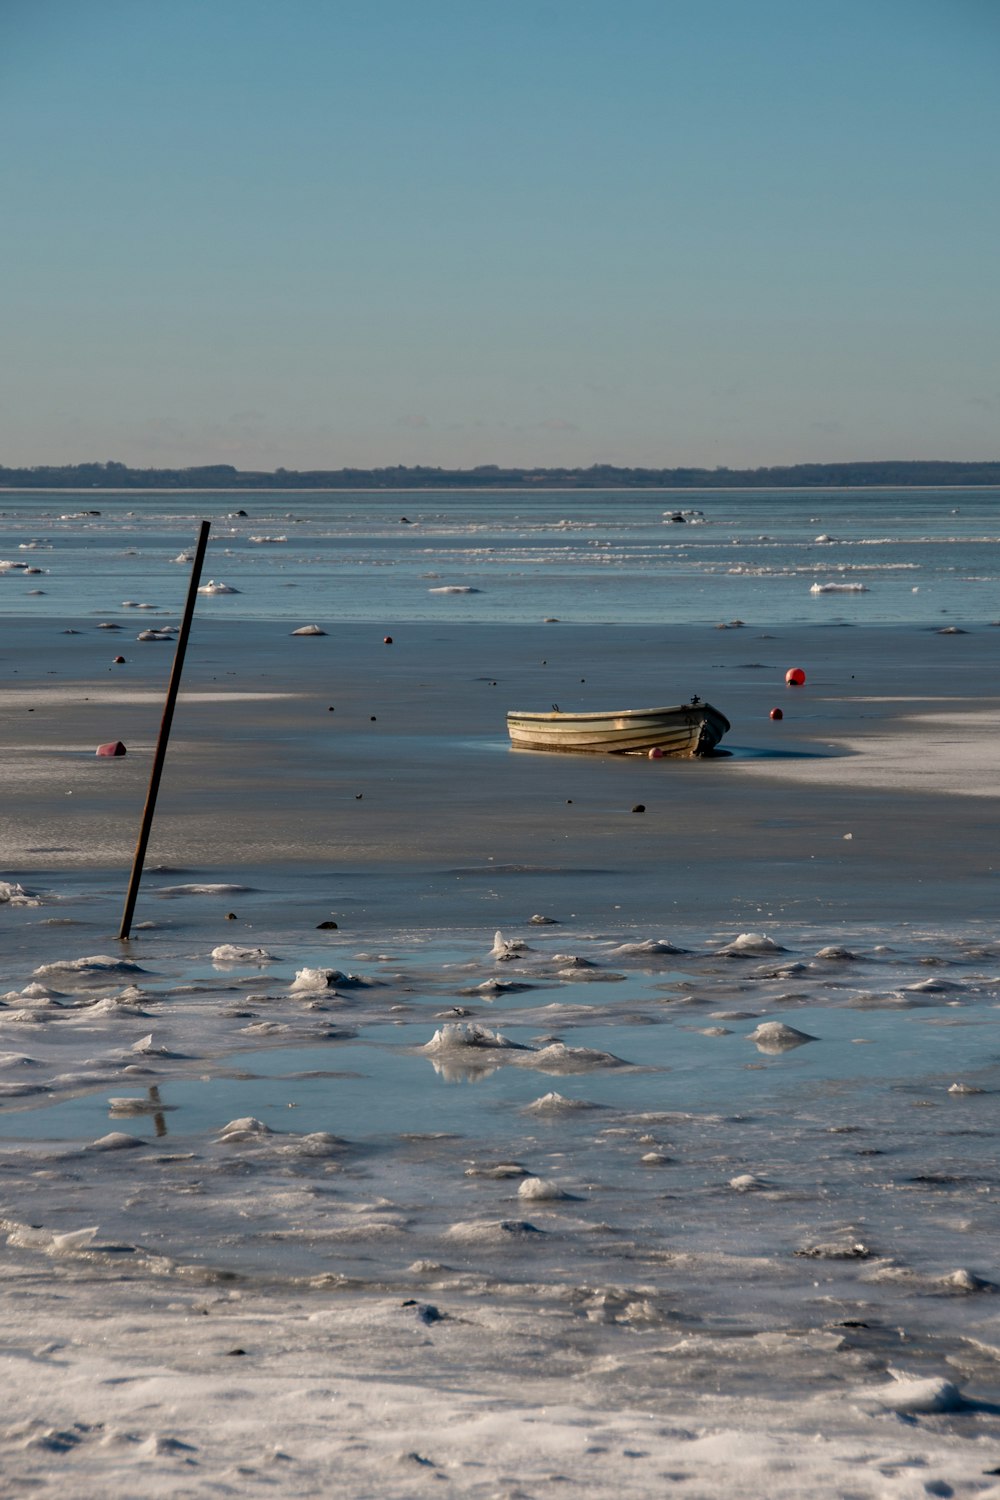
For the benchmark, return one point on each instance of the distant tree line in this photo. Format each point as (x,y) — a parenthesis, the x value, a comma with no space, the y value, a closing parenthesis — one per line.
(920,472)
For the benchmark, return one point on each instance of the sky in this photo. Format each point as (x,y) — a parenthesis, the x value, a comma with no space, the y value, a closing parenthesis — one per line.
(330,233)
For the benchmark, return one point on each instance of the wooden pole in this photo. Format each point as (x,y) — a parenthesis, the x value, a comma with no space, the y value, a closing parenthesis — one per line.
(161,744)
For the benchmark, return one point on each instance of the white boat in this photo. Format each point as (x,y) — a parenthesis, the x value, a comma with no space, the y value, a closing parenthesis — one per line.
(685,729)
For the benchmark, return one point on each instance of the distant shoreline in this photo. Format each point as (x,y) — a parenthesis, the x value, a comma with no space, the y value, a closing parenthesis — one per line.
(560,489)
(118,478)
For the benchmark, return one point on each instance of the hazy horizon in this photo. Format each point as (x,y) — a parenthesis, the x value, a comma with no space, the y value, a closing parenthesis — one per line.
(537,233)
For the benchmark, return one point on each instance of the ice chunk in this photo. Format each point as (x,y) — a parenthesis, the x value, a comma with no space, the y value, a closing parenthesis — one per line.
(775,1036)
(308,980)
(232,953)
(752,943)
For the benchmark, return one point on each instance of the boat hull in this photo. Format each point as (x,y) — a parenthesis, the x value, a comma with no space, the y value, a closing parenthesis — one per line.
(684,730)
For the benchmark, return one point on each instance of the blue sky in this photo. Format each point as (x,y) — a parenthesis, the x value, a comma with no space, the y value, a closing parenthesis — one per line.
(316,233)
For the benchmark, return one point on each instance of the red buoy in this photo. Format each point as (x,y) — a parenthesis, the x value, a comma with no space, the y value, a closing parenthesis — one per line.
(776,713)
(387,640)
(795,677)
(114,747)
(119,661)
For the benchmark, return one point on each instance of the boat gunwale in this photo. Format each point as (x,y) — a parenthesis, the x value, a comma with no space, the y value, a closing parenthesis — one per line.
(606,716)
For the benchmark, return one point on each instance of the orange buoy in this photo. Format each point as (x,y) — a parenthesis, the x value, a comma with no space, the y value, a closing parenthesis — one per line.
(113,747)
(656,753)
(795,677)
(776,713)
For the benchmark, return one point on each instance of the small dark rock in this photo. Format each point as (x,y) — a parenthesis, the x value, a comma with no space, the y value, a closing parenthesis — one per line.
(325,926)
(639,807)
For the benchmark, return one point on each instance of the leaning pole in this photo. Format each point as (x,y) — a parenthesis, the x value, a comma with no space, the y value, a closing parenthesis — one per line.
(161,743)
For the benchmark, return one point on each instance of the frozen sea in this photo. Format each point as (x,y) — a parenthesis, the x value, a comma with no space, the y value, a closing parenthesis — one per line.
(719,1158)
(596,556)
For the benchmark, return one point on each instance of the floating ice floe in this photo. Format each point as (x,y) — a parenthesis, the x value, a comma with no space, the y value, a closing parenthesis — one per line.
(913,1395)
(232,953)
(135,1105)
(542,1190)
(12,894)
(781,971)
(32,1237)
(490,988)
(247,1128)
(261,541)
(309,980)
(500,1171)
(454,588)
(148,1046)
(558,1058)
(558,1104)
(117,1140)
(123,1004)
(775,1036)
(455,1034)
(309,630)
(202,890)
(506,948)
(649,946)
(316,1143)
(752,943)
(33,994)
(213,587)
(492,1231)
(98,964)
(965,1282)
(839,588)
(747,1182)
(844,1249)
